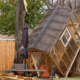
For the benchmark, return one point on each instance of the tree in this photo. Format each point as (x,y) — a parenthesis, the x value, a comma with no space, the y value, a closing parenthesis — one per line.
(7,8)
(7,20)
(35,14)
(12,20)
(10,25)
(32,19)
(19,22)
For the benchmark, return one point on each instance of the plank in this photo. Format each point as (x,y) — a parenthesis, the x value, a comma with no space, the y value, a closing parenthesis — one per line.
(13,51)
(0,56)
(10,57)
(76,18)
(7,56)
(35,64)
(45,58)
(25,70)
(63,15)
(3,52)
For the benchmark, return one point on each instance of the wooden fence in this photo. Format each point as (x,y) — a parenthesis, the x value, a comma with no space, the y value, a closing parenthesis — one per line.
(7,52)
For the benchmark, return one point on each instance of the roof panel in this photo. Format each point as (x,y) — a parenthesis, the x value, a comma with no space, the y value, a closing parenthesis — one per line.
(53,33)
(43,46)
(53,25)
(40,25)
(65,12)
(38,28)
(47,39)
(56,25)
(60,18)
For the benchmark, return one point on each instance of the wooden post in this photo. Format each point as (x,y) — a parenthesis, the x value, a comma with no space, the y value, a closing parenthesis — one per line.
(76,18)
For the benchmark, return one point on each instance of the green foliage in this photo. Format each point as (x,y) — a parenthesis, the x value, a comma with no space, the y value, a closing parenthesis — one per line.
(7,17)
(34,10)
(7,25)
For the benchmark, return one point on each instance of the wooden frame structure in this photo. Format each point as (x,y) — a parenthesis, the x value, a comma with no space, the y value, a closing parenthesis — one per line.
(48,44)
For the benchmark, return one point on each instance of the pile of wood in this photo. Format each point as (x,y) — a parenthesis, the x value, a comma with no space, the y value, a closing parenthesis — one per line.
(8,76)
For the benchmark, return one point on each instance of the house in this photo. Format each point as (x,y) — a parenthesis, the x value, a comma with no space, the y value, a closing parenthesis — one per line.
(55,41)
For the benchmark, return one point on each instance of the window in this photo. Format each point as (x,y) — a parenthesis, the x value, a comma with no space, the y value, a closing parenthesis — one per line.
(66,36)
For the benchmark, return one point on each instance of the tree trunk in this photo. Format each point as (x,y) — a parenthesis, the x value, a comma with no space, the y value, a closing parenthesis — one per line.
(62,3)
(19,21)
(75,4)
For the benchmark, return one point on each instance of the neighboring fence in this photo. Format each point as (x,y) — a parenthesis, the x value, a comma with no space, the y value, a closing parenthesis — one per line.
(7,52)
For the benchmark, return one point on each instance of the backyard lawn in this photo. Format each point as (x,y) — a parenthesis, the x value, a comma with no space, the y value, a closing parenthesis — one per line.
(72,78)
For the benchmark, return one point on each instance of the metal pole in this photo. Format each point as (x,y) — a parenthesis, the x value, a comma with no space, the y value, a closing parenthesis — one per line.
(25,64)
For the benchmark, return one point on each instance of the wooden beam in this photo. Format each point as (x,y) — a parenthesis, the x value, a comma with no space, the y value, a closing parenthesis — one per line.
(45,58)
(76,18)
(72,62)
(77,25)
(74,28)
(35,64)
(28,64)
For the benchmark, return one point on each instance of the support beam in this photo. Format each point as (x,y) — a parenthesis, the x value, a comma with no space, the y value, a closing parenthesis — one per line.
(74,28)
(76,18)
(35,64)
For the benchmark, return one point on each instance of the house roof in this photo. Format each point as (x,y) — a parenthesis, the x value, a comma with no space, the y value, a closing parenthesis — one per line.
(49,29)
(7,38)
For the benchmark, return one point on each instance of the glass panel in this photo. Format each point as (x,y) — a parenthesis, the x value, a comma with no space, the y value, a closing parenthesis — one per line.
(64,39)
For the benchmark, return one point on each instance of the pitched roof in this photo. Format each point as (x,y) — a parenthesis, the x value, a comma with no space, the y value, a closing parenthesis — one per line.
(6,36)
(48,31)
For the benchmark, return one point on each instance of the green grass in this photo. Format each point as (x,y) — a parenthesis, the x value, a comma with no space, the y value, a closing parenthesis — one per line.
(72,78)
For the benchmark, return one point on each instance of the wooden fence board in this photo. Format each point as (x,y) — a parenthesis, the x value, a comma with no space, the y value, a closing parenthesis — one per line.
(0,56)
(7,52)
